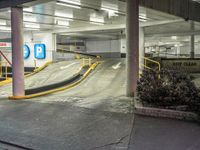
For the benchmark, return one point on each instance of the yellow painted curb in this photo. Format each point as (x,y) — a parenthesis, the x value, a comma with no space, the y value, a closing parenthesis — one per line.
(9,80)
(92,67)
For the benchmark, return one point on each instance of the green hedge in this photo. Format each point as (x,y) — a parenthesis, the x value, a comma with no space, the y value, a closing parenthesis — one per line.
(168,88)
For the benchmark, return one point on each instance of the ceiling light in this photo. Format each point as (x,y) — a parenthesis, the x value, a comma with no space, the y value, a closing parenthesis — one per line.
(111,8)
(111,12)
(29,9)
(94,19)
(3,22)
(174,37)
(68,5)
(30,18)
(142,20)
(76,2)
(62,22)
(35,26)
(66,15)
(97,23)
(5,28)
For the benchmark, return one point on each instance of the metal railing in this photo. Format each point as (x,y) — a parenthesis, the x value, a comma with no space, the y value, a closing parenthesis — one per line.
(4,64)
(146,60)
(86,62)
(2,54)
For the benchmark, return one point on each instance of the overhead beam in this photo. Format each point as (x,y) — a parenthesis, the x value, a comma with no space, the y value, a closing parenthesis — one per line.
(113,27)
(174,34)
(155,23)
(13,3)
(187,9)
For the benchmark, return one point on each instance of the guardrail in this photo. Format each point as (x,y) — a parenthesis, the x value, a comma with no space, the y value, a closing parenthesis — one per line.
(145,65)
(4,64)
(1,53)
(86,62)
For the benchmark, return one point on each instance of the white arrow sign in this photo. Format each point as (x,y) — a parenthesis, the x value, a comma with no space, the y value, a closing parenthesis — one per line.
(117,65)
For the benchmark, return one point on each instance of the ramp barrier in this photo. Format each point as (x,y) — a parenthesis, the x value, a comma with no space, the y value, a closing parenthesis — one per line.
(86,62)
(4,70)
(9,80)
(57,87)
(146,66)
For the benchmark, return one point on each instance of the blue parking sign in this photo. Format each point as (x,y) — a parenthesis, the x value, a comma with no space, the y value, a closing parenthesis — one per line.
(26,51)
(40,51)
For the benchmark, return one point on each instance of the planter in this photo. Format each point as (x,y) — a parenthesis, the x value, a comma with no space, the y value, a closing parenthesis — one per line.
(163,113)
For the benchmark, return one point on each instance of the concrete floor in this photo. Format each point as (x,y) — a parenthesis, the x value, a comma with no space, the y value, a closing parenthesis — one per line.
(95,115)
(54,73)
(104,89)
(164,134)
(61,126)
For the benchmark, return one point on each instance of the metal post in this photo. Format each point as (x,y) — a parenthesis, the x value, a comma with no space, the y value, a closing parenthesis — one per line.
(132,36)
(17,51)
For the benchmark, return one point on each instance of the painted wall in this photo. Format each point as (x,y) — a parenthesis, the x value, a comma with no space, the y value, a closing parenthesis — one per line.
(38,38)
(106,48)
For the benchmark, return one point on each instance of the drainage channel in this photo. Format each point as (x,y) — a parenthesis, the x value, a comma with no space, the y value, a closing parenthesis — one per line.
(12,146)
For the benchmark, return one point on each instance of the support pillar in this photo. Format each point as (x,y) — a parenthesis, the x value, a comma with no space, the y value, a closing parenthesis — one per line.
(17,51)
(132,36)
(192,44)
(192,41)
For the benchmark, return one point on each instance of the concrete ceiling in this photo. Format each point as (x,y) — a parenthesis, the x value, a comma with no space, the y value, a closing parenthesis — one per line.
(75,22)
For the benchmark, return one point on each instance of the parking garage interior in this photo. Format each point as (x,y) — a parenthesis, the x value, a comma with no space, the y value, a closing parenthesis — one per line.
(81,63)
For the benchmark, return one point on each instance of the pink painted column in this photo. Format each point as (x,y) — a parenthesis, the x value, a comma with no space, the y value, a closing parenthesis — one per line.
(132,38)
(17,51)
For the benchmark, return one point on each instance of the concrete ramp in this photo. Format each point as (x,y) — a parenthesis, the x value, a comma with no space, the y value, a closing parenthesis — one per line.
(104,89)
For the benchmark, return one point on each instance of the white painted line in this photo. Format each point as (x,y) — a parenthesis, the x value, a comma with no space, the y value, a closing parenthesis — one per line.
(64,67)
(117,66)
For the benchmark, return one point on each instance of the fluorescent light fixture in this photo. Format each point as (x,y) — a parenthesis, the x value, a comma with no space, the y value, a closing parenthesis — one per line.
(76,2)
(68,5)
(142,20)
(111,8)
(97,23)
(66,15)
(3,22)
(29,9)
(96,20)
(111,12)
(32,29)
(62,22)
(174,37)
(30,25)
(5,28)
(30,18)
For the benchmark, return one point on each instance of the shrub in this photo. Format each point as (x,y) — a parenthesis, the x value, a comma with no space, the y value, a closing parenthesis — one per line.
(168,88)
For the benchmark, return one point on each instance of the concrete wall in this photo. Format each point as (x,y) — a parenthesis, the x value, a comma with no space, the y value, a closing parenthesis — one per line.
(38,38)
(106,48)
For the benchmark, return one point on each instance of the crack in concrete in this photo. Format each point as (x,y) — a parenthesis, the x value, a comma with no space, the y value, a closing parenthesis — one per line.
(110,144)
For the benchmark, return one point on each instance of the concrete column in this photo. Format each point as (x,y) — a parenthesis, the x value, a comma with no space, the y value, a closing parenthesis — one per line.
(192,41)
(141,48)
(192,44)
(132,36)
(17,51)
